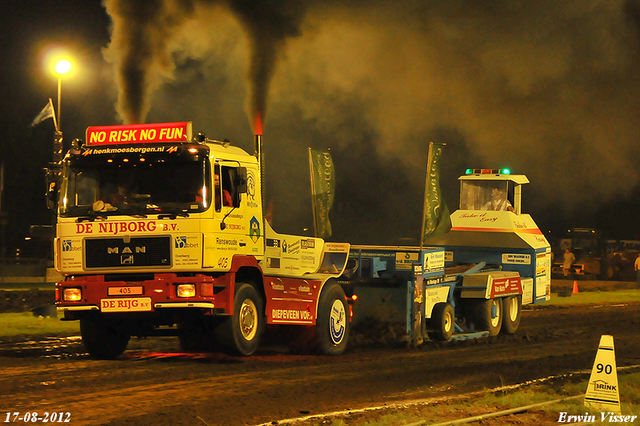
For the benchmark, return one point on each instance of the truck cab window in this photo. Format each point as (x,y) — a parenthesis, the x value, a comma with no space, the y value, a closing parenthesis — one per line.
(484,195)
(226,187)
(126,183)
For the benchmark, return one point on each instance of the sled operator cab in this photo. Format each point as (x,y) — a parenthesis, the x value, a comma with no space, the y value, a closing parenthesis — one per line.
(490,227)
(491,190)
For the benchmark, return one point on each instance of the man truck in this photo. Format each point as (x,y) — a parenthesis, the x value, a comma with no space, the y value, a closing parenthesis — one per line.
(147,247)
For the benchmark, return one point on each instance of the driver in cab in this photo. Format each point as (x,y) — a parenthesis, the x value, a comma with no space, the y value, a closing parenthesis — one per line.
(498,202)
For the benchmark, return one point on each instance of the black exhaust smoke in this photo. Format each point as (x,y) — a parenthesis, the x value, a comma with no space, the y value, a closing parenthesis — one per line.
(143,29)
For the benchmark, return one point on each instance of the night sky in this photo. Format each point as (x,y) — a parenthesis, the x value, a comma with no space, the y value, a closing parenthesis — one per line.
(549,89)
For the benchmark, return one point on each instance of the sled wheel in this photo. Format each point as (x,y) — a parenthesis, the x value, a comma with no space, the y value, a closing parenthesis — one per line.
(240,333)
(511,309)
(332,324)
(442,322)
(486,315)
(103,338)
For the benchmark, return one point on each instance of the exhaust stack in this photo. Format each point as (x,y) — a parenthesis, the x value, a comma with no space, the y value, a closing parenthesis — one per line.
(259,153)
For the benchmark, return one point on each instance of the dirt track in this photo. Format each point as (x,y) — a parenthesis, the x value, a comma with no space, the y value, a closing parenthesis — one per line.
(153,384)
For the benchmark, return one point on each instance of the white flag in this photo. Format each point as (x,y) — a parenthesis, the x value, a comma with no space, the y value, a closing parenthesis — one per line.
(47,112)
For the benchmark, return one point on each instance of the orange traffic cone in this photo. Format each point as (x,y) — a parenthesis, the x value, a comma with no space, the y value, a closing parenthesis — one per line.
(575,287)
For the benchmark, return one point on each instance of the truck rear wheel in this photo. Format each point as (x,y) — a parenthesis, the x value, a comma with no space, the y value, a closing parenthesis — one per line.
(486,315)
(240,333)
(511,308)
(440,326)
(332,324)
(103,338)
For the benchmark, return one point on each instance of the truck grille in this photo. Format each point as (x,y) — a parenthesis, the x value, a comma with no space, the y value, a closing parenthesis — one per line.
(136,252)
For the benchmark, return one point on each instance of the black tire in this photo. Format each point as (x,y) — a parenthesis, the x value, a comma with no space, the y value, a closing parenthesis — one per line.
(240,333)
(480,314)
(103,338)
(332,324)
(442,322)
(511,310)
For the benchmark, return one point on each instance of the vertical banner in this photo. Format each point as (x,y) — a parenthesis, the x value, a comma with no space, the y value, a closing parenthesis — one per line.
(322,190)
(436,214)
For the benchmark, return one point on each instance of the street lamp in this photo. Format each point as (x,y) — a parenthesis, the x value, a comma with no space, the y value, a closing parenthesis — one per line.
(62,67)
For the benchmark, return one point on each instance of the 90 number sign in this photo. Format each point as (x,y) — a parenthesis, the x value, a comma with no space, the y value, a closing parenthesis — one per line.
(607,368)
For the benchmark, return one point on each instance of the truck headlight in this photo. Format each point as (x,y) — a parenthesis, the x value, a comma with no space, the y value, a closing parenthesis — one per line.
(72,294)
(186,290)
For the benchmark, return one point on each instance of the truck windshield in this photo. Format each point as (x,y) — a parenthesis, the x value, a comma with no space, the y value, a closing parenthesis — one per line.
(484,195)
(118,181)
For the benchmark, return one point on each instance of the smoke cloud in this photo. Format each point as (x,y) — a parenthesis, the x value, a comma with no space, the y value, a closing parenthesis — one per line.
(548,89)
(143,30)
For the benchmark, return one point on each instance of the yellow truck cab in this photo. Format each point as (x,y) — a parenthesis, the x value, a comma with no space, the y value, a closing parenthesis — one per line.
(159,231)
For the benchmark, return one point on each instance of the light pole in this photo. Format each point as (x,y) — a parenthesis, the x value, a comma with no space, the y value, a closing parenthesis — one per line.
(62,67)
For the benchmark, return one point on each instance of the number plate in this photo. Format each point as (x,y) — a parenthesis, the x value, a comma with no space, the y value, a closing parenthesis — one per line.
(133,304)
(124,291)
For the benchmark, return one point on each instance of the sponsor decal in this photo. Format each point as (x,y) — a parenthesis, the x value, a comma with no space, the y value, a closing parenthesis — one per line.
(273,243)
(139,133)
(184,242)
(336,247)
(226,242)
(406,260)
(516,258)
(308,244)
(336,321)
(254,229)
(293,248)
(506,286)
(291,315)
(251,190)
(68,246)
(126,305)
(122,227)
(433,261)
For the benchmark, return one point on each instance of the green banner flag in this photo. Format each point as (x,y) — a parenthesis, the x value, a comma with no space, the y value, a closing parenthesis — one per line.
(322,189)
(436,214)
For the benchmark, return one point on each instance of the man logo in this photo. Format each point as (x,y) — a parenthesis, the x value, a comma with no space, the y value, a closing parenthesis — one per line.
(126,260)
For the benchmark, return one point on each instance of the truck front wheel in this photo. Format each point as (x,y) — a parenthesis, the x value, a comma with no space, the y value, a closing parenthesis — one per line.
(103,338)
(511,308)
(240,333)
(332,324)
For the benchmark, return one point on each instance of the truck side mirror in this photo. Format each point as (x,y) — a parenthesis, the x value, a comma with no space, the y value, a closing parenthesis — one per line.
(52,176)
(241,180)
